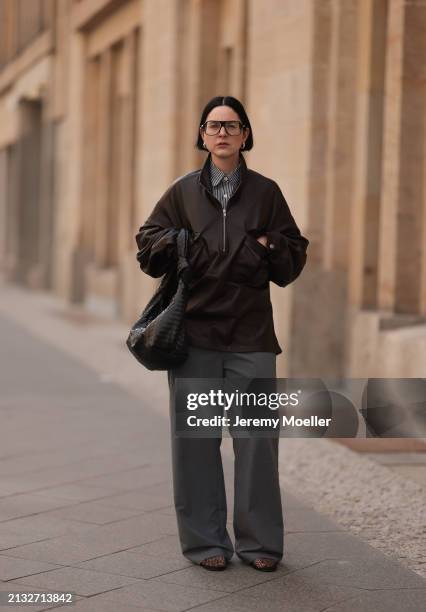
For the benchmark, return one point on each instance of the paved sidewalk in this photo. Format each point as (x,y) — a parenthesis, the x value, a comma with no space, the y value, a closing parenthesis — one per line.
(86,499)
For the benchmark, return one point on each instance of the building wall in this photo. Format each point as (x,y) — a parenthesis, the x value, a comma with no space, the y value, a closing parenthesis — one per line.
(99,104)
(278,95)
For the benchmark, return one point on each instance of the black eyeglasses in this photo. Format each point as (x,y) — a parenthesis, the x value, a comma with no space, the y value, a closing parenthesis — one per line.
(232,128)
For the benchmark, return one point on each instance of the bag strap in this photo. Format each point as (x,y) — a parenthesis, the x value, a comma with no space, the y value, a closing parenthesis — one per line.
(182,250)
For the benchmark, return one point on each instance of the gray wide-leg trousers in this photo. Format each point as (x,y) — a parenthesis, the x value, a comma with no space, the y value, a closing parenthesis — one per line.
(198,480)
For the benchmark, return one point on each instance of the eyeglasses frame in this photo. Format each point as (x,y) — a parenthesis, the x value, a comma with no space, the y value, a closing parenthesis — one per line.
(223,123)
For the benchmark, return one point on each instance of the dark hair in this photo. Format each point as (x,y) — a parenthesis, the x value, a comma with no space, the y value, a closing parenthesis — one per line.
(238,108)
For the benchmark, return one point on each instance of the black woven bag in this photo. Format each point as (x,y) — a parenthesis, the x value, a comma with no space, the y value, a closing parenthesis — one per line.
(158,338)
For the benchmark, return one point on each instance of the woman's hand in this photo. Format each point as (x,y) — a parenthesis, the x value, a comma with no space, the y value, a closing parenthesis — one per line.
(263,240)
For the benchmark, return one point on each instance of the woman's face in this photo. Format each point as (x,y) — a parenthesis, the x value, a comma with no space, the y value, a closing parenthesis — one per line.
(222,144)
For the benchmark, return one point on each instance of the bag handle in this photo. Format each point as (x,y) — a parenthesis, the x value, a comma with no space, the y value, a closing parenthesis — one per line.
(182,250)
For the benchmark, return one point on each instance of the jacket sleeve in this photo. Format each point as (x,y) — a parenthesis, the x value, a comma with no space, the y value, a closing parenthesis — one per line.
(156,238)
(286,247)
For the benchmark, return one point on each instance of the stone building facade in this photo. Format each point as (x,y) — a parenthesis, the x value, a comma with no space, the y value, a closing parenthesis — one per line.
(99,104)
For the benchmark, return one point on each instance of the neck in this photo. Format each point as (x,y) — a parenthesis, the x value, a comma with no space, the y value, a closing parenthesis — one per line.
(226,165)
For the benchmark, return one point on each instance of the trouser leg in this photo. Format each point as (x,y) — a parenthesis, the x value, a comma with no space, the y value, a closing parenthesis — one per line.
(258,515)
(198,480)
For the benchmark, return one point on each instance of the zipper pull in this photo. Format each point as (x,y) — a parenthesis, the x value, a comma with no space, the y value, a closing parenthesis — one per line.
(224,220)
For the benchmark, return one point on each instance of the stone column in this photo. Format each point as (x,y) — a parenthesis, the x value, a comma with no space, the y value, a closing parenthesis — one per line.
(102,180)
(391,156)
(340,153)
(28,193)
(69,268)
(369,102)
(402,232)
(411,239)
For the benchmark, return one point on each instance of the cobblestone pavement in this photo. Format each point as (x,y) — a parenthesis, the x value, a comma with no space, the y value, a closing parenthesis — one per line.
(86,501)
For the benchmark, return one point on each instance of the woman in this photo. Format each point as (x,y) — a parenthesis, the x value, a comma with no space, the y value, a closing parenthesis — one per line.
(243,236)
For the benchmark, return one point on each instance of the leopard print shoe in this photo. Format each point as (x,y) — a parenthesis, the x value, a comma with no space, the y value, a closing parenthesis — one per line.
(265,564)
(216,563)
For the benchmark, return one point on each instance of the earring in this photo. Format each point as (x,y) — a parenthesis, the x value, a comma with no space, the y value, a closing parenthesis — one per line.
(243,145)
(204,145)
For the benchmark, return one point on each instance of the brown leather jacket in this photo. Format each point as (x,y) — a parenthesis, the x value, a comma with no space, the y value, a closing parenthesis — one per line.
(229,306)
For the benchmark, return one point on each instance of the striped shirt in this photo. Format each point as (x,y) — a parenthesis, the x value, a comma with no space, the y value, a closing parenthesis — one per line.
(224,185)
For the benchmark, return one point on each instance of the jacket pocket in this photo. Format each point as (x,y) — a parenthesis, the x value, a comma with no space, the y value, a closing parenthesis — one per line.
(256,246)
(250,265)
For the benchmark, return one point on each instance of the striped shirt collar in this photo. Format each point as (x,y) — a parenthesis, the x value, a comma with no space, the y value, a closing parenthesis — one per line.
(204,172)
(217,175)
